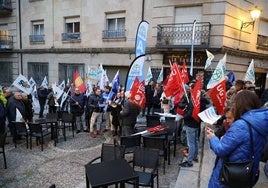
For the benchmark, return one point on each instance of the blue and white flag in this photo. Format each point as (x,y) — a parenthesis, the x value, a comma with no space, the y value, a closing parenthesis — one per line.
(62,84)
(250,75)
(45,82)
(160,76)
(209,59)
(103,80)
(115,86)
(218,74)
(57,91)
(192,50)
(148,76)
(141,38)
(136,70)
(32,82)
(22,84)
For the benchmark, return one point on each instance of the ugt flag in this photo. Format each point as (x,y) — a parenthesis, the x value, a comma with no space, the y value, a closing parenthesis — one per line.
(138,93)
(141,37)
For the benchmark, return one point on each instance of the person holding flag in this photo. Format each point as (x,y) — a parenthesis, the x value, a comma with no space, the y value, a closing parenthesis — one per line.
(192,124)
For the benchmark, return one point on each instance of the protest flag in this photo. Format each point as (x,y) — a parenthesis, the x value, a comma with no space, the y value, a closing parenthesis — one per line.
(218,96)
(250,75)
(210,57)
(22,84)
(196,96)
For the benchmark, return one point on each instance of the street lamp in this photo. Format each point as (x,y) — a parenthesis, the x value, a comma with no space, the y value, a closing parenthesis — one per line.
(255,14)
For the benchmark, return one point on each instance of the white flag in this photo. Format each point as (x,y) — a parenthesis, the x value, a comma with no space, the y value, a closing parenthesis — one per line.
(45,82)
(32,82)
(209,115)
(22,84)
(148,76)
(250,75)
(89,88)
(160,77)
(57,91)
(19,117)
(209,59)
(62,84)
(104,80)
(218,74)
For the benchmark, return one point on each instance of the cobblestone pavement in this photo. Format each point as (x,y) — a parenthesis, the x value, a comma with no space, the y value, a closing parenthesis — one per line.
(63,164)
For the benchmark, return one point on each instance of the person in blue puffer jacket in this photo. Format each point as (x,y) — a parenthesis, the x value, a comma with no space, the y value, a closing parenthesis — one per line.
(235,144)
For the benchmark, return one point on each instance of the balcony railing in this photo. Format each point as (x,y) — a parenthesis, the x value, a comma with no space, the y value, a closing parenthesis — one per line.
(114,34)
(37,38)
(262,41)
(5,7)
(180,35)
(6,42)
(71,36)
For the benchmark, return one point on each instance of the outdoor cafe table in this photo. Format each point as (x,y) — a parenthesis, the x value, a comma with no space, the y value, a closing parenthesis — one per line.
(109,173)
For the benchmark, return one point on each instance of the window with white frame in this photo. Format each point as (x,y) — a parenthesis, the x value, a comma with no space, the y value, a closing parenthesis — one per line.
(37,31)
(72,29)
(115,25)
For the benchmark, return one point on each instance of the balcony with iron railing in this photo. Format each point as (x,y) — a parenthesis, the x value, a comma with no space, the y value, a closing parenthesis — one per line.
(71,37)
(114,34)
(6,42)
(180,35)
(262,41)
(37,38)
(5,7)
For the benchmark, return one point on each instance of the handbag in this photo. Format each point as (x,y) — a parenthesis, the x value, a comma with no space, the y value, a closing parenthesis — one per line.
(238,174)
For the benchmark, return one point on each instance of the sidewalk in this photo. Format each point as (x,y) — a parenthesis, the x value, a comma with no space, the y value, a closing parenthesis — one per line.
(198,176)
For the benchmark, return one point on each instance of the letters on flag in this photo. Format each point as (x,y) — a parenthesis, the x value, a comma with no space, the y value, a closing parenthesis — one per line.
(138,93)
(22,84)
(78,82)
(196,95)
(136,70)
(250,75)
(141,38)
(209,59)
(218,96)
(149,75)
(218,74)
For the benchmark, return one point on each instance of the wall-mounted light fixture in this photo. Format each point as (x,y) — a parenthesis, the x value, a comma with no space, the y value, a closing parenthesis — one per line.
(255,14)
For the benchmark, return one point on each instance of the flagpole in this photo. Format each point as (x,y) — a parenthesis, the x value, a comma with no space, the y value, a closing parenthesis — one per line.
(192,50)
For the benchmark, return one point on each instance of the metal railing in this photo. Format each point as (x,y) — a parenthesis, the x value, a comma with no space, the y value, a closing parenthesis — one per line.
(262,41)
(37,38)
(71,36)
(113,34)
(6,42)
(180,35)
(5,5)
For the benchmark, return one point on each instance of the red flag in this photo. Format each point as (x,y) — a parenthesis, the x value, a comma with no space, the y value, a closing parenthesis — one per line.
(174,84)
(218,96)
(195,96)
(78,82)
(184,73)
(138,93)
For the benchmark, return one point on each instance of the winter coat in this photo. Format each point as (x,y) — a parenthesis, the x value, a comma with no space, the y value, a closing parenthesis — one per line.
(129,114)
(235,144)
(78,110)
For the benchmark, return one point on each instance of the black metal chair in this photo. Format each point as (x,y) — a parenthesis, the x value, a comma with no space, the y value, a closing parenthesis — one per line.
(37,131)
(21,130)
(109,152)
(152,120)
(159,142)
(67,121)
(2,145)
(172,134)
(145,163)
(131,143)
